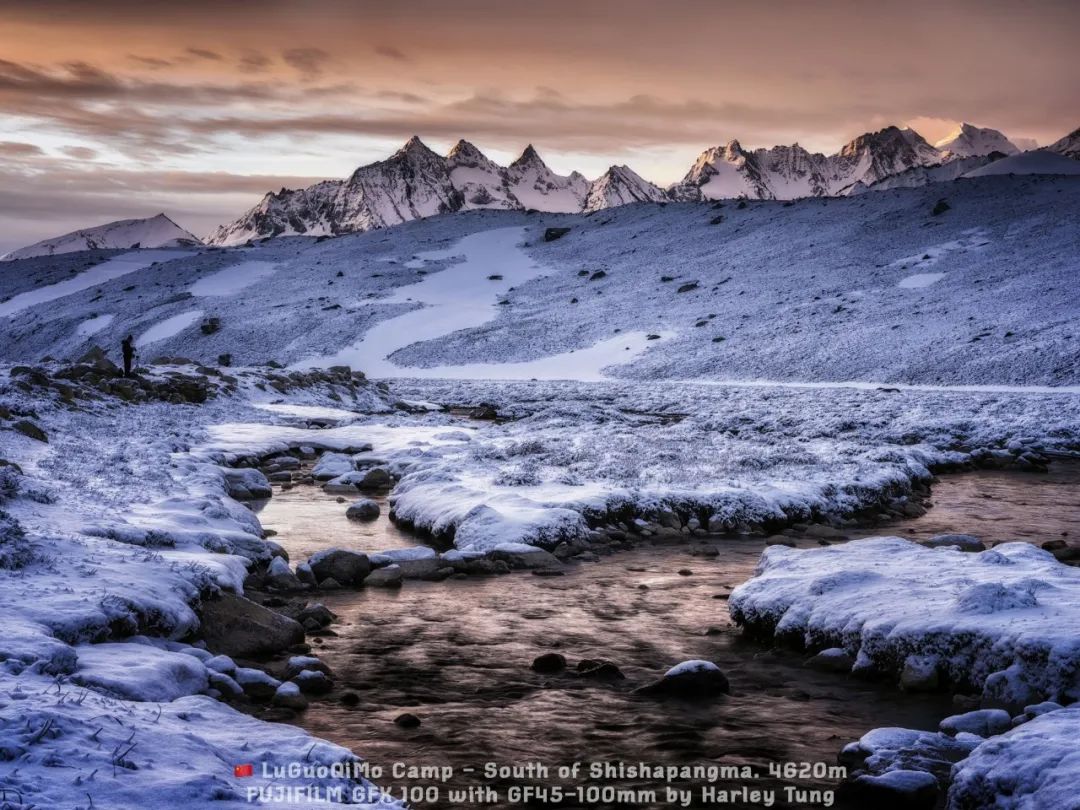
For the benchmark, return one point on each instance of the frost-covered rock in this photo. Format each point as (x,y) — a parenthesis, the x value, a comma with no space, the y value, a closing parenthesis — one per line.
(1036,765)
(964,542)
(981,722)
(289,696)
(388,576)
(332,465)
(247,483)
(899,789)
(999,621)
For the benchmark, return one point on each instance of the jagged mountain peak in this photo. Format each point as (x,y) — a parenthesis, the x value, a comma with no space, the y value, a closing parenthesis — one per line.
(529,157)
(465,151)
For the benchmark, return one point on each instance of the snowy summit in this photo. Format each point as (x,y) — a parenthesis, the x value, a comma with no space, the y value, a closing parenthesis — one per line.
(124,234)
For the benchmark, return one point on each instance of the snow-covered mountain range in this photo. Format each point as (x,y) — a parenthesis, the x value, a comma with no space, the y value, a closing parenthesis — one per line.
(151,232)
(416,182)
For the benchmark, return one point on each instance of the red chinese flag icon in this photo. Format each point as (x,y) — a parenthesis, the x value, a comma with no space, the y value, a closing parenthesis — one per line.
(243,770)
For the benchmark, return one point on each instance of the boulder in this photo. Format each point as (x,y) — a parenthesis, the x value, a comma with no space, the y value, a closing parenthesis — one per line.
(390,576)
(344,567)
(549,663)
(363,509)
(247,484)
(529,558)
(313,682)
(407,720)
(28,428)
(920,674)
(288,696)
(239,628)
(689,680)
(834,659)
(551,234)
(965,542)
(599,669)
(279,577)
(374,479)
(982,722)
(332,465)
(895,790)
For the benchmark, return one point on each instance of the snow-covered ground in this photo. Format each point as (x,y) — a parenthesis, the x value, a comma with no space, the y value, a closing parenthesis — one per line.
(811,290)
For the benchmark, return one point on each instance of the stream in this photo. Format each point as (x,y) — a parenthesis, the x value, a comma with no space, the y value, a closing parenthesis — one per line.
(457,653)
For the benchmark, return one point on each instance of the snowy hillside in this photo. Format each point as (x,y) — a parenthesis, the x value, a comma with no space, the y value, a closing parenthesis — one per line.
(1040,162)
(152,232)
(879,287)
(972,141)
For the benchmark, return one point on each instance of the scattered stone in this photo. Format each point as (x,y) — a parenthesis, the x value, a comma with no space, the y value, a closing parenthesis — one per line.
(313,682)
(28,428)
(347,568)
(688,287)
(599,670)
(551,234)
(363,509)
(689,680)
(408,720)
(895,790)
(390,576)
(374,479)
(247,484)
(279,577)
(983,722)
(920,674)
(484,410)
(685,572)
(940,208)
(288,696)
(549,662)
(965,542)
(834,659)
(350,699)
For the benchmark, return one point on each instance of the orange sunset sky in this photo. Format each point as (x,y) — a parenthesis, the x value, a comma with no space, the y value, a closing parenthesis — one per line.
(114,109)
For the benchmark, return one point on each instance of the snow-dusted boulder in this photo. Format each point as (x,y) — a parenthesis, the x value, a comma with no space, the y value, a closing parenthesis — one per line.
(247,483)
(690,679)
(1036,765)
(331,465)
(981,722)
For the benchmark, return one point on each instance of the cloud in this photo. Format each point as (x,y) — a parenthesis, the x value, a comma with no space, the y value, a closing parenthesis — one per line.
(308,62)
(390,52)
(17,149)
(80,152)
(203,53)
(253,62)
(150,62)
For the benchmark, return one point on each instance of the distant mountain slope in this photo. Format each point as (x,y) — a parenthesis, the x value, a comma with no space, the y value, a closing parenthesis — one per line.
(874,288)
(1040,162)
(151,232)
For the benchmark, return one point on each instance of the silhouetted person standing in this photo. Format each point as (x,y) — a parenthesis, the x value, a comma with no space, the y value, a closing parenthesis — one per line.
(128,345)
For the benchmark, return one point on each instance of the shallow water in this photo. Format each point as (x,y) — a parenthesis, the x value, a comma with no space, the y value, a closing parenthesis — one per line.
(458,654)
